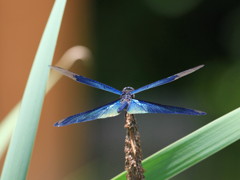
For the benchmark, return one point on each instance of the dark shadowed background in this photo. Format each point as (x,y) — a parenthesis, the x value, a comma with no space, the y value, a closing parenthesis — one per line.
(133,43)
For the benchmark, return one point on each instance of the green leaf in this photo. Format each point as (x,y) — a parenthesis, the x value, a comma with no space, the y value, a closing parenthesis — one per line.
(20,149)
(193,148)
(67,60)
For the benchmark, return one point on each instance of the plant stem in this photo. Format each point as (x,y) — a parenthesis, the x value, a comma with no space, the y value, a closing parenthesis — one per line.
(133,151)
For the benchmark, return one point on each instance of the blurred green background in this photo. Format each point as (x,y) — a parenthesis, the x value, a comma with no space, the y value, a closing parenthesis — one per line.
(138,42)
(133,43)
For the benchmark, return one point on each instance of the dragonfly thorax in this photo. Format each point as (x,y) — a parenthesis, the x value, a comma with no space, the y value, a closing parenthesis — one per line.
(126,94)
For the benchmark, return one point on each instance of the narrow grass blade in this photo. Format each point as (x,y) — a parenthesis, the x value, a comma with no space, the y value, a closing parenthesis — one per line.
(20,149)
(193,148)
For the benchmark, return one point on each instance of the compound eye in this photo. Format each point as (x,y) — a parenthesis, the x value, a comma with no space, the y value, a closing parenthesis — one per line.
(127,89)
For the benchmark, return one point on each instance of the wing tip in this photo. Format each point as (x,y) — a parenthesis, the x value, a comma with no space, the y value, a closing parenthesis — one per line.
(200,113)
(64,72)
(55,67)
(60,123)
(198,67)
(189,71)
(57,124)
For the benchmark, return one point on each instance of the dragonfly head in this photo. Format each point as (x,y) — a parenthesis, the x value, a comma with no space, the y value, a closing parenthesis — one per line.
(126,92)
(127,89)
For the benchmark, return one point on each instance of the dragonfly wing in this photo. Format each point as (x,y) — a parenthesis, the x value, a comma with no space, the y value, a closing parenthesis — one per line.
(87,81)
(108,110)
(141,107)
(166,80)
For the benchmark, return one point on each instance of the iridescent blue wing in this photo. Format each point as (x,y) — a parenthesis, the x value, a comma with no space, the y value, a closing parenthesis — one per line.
(166,80)
(108,110)
(141,107)
(87,81)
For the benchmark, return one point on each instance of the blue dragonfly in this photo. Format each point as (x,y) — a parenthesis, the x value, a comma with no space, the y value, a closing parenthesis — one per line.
(127,100)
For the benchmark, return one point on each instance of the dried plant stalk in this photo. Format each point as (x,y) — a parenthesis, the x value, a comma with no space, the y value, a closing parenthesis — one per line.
(133,151)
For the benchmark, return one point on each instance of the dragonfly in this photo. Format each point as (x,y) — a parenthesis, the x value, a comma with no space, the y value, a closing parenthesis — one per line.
(126,102)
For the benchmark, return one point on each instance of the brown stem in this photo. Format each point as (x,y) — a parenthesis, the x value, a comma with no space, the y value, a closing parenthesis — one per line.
(133,151)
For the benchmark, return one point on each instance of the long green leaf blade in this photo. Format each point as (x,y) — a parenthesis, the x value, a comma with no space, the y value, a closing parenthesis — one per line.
(193,148)
(67,60)
(20,149)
